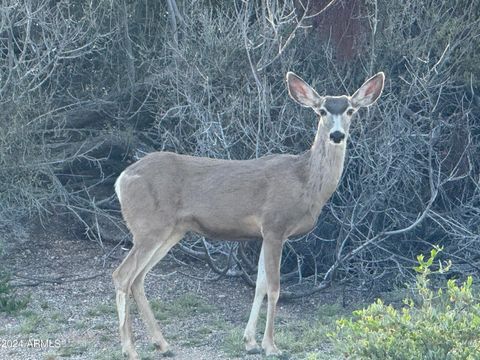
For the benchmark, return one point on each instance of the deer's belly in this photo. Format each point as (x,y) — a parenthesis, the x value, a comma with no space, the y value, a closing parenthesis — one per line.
(222,229)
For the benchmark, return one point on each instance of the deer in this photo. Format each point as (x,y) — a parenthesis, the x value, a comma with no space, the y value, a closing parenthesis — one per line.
(164,195)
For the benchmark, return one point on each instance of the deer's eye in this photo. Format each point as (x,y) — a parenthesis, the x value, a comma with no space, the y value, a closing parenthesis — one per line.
(350,112)
(322,112)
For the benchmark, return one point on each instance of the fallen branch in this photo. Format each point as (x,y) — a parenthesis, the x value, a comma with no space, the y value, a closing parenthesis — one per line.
(62,279)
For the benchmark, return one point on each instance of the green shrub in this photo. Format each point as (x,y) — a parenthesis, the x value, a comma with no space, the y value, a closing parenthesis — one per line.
(432,325)
(10,302)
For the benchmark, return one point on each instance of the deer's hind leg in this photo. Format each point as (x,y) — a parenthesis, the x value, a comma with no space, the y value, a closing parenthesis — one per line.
(144,249)
(138,292)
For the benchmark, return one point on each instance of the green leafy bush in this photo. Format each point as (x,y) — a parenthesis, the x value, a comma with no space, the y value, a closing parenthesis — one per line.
(10,302)
(435,324)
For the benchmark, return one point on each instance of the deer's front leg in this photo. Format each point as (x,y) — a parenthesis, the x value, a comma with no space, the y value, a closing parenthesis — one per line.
(272,246)
(260,290)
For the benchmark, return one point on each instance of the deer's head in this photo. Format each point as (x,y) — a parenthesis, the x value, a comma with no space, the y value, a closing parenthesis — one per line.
(335,112)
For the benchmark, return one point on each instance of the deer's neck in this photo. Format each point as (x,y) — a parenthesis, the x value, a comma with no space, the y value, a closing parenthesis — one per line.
(325,165)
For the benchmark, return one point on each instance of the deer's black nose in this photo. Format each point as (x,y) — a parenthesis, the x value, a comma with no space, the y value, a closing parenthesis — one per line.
(337,136)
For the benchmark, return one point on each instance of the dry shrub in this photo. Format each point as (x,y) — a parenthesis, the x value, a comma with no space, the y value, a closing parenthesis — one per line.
(92,89)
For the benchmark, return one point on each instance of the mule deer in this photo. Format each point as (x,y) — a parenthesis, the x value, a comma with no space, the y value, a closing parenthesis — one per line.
(165,195)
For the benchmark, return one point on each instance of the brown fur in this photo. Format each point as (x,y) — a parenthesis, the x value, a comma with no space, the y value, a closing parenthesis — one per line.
(164,195)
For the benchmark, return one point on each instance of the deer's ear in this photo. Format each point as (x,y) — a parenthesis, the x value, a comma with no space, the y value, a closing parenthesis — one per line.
(369,92)
(301,92)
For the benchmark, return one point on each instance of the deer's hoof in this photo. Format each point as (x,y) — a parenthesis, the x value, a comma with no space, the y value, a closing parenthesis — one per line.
(251,346)
(168,353)
(131,355)
(254,350)
(279,356)
(271,350)
(163,348)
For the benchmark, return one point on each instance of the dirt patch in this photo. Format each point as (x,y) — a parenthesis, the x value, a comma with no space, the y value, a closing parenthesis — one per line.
(77,319)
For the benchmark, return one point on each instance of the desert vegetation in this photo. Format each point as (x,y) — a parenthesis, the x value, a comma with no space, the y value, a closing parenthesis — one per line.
(86,88)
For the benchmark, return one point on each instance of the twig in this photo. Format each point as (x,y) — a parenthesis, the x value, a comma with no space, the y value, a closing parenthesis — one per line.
(62,279)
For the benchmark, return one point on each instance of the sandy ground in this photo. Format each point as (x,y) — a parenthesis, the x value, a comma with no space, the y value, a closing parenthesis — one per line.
(77,319)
